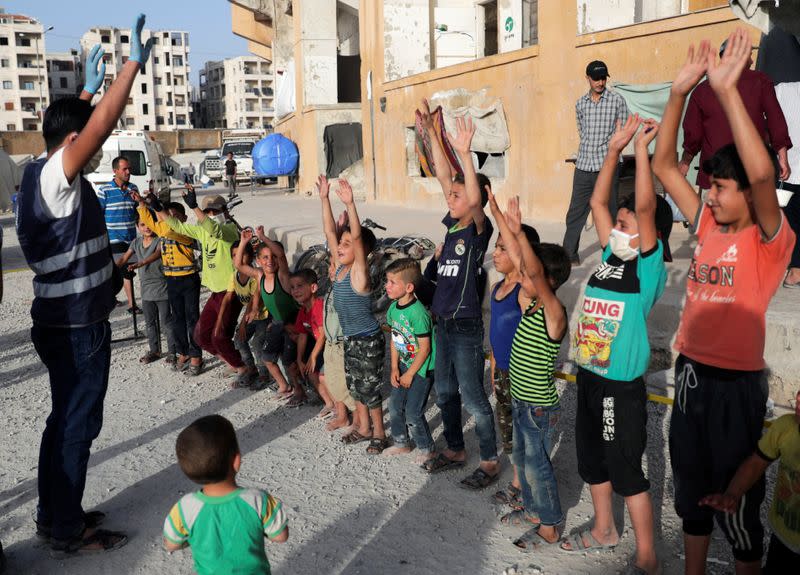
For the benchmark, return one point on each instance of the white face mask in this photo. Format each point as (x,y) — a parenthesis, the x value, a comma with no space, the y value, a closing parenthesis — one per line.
(93,162)
(219,218)
(620,243)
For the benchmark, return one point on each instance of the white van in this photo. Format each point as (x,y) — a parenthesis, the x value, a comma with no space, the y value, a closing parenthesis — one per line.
(147,162)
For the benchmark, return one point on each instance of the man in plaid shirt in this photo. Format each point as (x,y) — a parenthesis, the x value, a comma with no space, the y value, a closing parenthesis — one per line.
(597,113)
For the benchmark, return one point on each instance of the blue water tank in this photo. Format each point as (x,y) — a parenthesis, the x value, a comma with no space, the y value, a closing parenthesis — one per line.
(275,155)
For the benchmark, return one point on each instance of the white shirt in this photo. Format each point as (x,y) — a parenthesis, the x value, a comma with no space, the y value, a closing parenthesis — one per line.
(59,198)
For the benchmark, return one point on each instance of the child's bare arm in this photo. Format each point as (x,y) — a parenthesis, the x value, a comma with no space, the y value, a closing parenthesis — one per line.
(665,159)
(601,195)
(394,377)
(359,274)
(328,221)
(124,258)
(644,189)
(444,172)
(281,537)
(509,237)
(238,256)
(170,546)
(723,77)
(746,476)
(423,351)
(461,144)
(156,255)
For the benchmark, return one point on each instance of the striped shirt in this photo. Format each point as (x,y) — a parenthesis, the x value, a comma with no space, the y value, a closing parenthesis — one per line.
(533,357)
(119,210)
(596,123)
(354,309)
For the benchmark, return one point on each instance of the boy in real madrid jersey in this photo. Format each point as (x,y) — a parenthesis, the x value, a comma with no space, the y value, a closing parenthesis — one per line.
(612,353)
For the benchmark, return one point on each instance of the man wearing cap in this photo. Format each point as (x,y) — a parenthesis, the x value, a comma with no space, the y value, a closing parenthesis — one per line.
(216,236)
(706,130)
(597,113)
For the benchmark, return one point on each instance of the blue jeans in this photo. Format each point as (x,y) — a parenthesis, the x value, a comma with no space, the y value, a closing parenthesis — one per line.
(459,373)
(407,408)
(534,427)
(78,361)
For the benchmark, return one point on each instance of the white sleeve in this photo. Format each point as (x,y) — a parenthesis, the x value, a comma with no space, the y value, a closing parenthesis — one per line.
(59,198)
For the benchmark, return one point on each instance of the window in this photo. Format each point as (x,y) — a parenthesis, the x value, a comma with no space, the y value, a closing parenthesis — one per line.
(27,86)
(3,41)
(166,58)
(130,101)
(136,160)
(11,127)
(180,119)
(9,105)
(62,82)
(129,121)
(157,81)
(159,120)
(4,63)
(32,127)
(26,42)
(177,61)
(155,60)
(124,39)
(105,39)
(144,88)
(146,127)
(145,109)
(8,85)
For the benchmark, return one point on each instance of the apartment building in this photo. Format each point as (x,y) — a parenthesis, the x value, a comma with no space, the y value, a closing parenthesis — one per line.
(237,93)
(23,76)
(161,95)
(64,74)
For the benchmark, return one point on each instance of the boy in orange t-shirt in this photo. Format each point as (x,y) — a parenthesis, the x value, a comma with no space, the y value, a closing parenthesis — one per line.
(742,252)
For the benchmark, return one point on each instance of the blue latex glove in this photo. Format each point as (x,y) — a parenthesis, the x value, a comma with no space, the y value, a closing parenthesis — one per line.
(95,69)
(140,53)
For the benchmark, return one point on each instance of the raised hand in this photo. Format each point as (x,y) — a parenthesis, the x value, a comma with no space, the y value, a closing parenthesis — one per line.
(724,75)
(190,197)
(425,115)
(514,215)
(135,196)
(648,132)
(140,53)
(323,187)
(693,69)
(345,192)
(246,235)
(624,133)
(465,130)
(260,232)
(95,69)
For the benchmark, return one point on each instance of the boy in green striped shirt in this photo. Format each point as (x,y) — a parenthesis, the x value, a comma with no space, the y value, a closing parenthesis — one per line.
(224,524)
(534,400)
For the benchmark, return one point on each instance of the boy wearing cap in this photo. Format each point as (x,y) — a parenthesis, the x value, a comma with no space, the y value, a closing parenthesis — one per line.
(216,236)
(597,113)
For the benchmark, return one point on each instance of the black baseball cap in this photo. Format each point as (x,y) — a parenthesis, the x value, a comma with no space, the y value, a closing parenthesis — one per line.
(597,70)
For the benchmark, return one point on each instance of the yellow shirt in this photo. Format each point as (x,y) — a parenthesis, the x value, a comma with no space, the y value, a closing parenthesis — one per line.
(246,292)
(782,441)
(177,251)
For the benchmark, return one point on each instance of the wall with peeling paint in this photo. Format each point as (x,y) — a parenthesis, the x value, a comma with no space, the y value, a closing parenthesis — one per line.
(406,37)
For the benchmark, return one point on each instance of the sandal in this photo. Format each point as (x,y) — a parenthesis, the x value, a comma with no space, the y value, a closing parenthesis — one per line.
(531,540)
(510,496)
(99,541)
(441,463)
(376,445)
(195,370)
(479,479)
(578,542)
(519,517)
(170,359)
(354,437)
(242,381)
(295,402)
(150,357)
(91,519)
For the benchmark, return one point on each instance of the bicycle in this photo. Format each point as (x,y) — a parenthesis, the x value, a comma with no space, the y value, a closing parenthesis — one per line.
(386,251)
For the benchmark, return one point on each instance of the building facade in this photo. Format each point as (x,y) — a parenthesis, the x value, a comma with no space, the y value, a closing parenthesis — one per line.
(161,95)
(23,75)
(236,93)
(64,74)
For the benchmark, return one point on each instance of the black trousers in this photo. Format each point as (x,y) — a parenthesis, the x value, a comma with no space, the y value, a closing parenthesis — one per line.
(582,188)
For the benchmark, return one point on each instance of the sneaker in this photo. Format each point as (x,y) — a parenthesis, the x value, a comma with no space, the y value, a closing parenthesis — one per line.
(170,359)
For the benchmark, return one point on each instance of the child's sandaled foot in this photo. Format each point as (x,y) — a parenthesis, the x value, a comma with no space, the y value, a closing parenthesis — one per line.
(519,517)
(424,457)
(296,402)
(94,542)
(195,369)
(150,357)
(397,450)
(583,541)
(170,359)
(532,540)
(325,413)
(354,437)
(335,424)
(441,463)
(511,496)
(377,445)
(479,479)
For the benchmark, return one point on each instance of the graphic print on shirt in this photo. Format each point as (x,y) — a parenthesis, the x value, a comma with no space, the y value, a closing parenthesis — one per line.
(712,283)
(451,267)
(598,325)
(209,254)
(403,344)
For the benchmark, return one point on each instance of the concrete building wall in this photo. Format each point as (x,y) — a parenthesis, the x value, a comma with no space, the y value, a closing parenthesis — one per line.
(161,96)
(23,73)
(64,74)
(237,93)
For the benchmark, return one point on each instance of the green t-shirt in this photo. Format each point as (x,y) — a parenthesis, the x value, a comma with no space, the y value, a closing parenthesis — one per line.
(410,323)
(226,533)
(216,241)
(782,441)
(611,336)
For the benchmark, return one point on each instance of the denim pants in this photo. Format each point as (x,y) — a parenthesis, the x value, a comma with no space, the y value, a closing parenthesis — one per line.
(459,374)
(78,362)
(407,413)
(158,318)
(252,347)
(534,428)
(184,301)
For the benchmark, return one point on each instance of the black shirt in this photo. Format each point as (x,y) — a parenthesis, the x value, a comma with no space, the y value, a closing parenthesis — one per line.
(230,167)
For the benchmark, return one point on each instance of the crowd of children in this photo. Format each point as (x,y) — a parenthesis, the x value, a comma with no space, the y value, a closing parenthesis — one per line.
(271,326)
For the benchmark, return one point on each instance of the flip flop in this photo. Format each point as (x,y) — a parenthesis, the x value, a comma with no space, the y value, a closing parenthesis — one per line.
(441,463)
(376,445)
(510,496)
(578,543)
(478,480)
(531,540)
(295,402)
(354,437)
